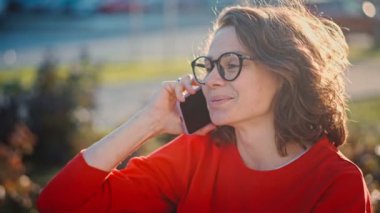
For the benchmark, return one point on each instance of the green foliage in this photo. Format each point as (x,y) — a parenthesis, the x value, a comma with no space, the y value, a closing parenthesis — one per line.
(45,118)
(59,106)
(17,190)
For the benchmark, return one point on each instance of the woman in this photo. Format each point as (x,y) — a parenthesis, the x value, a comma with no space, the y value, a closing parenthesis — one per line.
(272,78)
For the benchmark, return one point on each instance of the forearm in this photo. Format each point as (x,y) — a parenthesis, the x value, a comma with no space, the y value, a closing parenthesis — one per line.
(116,146)
(80,184)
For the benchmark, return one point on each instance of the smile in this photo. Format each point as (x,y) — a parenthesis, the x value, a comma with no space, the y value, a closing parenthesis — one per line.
(218,101)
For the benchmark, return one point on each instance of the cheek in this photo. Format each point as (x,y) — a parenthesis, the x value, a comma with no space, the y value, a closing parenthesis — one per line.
(259,95)
(252,101)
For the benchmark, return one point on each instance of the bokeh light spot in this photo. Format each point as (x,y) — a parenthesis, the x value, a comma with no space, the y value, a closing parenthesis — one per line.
(369,9)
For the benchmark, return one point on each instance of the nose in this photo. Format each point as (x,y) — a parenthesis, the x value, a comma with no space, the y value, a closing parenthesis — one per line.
(214,79)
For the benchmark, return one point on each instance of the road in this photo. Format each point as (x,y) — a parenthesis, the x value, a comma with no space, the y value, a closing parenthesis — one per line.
(109,38)
(363,79)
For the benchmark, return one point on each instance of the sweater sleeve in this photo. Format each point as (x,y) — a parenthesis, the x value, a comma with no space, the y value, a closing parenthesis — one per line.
(71,187)
(147,184)
(347,193)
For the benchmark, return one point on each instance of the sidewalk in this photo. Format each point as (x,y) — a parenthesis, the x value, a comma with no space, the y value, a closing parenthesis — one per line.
(364,79)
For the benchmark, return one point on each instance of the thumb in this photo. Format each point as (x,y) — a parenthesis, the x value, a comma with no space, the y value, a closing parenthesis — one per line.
(206,129)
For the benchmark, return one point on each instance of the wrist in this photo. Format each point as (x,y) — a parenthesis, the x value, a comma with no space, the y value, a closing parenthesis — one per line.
(151,120)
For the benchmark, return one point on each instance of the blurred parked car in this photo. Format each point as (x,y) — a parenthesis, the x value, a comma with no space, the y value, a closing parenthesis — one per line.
(116,6)
(151,6)
(354,16)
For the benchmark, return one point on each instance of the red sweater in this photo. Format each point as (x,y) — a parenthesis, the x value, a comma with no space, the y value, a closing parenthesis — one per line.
(192,174)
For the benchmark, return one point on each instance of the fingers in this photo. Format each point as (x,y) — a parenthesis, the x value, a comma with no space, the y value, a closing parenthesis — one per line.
(185,85)
(179,90)
(188,83)
(206,129)
(182,87)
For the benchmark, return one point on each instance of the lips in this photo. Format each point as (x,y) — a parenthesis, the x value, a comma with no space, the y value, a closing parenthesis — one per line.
(217,101)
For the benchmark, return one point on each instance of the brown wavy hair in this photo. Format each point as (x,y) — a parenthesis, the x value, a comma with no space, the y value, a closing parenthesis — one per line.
(309,54)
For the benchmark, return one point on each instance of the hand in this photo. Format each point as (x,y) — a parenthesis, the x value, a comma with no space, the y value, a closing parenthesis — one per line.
(160,116)
(163,105)
(205,130)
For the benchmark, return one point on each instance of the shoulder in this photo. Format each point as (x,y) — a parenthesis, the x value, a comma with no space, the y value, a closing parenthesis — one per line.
(339,178)
(334,161)
(346,173)
(338,171)
(331,167)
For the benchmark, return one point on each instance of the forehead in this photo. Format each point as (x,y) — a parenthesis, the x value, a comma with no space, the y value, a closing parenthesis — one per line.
(225,40)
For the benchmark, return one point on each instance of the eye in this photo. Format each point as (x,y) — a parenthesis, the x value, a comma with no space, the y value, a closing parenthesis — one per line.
(230,61)
(200,65)
(208,66)
(232,66)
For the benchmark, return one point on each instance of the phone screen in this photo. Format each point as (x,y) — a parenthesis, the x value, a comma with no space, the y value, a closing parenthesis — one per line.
(194,113)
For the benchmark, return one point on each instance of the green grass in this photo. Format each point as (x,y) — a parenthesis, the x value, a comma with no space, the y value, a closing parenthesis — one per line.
(110,73)
(24,75)
(365,111)
(143,70)
(357,54)
(115,73)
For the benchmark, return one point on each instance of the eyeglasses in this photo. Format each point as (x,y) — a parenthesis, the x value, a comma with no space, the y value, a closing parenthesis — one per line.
(228,64)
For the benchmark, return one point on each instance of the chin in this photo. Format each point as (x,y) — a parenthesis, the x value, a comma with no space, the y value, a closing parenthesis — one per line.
(219,120)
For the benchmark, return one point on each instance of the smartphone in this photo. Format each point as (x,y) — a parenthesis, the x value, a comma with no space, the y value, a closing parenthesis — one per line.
(193,112)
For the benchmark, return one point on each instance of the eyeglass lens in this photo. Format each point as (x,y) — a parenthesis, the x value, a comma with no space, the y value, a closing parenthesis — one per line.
(228,65)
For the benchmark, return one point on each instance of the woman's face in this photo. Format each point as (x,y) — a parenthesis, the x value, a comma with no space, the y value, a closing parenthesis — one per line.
(247,99)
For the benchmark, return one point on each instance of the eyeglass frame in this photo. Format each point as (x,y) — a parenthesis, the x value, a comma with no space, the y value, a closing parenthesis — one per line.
(218,66)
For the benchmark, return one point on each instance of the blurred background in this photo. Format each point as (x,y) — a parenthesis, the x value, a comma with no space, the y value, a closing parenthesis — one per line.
(72,70)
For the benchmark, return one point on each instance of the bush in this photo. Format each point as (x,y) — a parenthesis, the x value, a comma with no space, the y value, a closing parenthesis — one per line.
(39,126)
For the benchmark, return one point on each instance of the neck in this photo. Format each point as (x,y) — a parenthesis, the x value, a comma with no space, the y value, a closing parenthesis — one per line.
(257,146)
